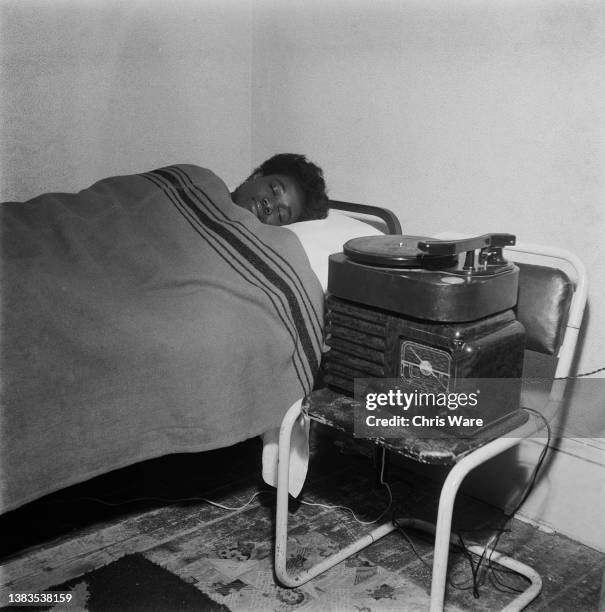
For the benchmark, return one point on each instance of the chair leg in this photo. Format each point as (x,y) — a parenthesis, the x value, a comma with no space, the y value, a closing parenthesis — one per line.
(517,604)
(443,530)
(281,522)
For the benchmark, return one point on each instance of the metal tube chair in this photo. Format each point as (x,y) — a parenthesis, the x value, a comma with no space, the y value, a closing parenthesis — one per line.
(561,343)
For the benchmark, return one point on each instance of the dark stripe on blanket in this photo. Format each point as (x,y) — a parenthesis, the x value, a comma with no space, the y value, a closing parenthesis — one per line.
(270,281)
(251,257)
(270,275)
(284,265)
(305,378)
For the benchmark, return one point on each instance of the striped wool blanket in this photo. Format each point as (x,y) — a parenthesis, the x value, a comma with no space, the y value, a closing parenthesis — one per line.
(145,315)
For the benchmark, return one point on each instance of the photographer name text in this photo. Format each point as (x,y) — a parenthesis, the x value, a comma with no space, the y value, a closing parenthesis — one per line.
(396,398)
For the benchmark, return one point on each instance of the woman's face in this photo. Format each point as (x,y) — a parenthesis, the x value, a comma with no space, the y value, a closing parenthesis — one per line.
(275,199)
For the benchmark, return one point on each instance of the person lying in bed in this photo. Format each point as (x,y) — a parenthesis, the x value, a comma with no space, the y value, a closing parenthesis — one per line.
(284,189)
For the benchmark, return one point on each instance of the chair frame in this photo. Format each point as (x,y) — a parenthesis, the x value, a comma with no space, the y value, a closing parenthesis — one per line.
(457,474)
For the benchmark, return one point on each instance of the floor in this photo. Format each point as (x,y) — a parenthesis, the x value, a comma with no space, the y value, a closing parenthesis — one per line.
(168,491)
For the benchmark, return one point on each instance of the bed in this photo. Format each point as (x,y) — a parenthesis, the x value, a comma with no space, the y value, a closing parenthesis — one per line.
(149,315)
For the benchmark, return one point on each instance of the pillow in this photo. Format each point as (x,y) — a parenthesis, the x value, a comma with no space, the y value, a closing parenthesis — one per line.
(322,237)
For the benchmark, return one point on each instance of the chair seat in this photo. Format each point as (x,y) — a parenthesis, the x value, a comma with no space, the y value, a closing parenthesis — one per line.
(439,448)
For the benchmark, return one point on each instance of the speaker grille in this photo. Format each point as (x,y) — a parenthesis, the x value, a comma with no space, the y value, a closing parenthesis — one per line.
(357,340)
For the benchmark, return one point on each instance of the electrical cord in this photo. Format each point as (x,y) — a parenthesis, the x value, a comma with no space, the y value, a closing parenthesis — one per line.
(236,508)
(382,482)
(491,571)
(165,500)
(460,586)
(581,375)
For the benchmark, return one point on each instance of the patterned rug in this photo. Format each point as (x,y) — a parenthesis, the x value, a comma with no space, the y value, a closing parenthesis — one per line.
(203,558)
(238,578)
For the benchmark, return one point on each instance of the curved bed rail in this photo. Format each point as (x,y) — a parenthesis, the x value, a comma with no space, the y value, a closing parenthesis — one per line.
(391,220)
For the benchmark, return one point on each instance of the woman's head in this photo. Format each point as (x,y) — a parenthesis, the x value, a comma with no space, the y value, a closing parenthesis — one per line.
(284,189)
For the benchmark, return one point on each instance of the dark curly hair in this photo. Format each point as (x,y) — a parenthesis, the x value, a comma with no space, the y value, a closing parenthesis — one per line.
(308,175)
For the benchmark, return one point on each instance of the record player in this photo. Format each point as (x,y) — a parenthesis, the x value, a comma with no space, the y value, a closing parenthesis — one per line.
(431,314)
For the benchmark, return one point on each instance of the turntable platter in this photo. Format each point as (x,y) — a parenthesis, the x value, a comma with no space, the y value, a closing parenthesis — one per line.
(394,251)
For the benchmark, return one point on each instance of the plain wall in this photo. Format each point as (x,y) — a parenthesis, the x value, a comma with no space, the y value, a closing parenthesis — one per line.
(463,116)
(95,88)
